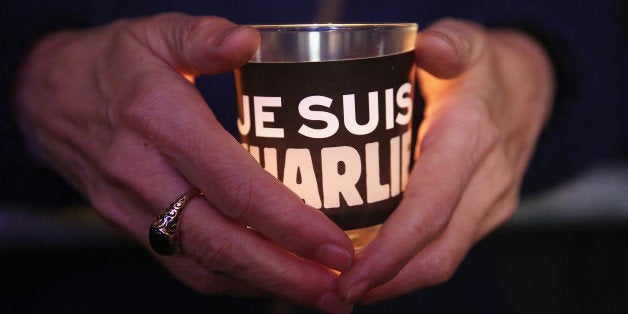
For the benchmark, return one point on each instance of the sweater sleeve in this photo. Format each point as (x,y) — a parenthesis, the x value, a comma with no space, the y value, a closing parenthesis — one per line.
(24,180)
(586,41)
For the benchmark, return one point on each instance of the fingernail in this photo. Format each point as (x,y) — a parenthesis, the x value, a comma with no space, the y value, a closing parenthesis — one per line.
(356,292)
(222,36)
(334,257)
(331,303)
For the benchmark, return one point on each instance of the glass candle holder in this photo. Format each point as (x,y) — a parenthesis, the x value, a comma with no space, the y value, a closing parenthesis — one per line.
(327,109)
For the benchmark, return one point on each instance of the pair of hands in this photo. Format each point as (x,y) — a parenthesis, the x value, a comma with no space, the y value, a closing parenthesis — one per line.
(115,111)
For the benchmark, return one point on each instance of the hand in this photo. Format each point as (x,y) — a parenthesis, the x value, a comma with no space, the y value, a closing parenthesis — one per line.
(114,109)
(488,94)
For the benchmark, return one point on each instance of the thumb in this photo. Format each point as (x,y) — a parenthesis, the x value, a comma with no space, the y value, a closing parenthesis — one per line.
(201,45)
(447,47)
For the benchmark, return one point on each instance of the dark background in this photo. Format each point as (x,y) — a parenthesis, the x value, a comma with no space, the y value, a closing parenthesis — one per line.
(545,269)
(570,258)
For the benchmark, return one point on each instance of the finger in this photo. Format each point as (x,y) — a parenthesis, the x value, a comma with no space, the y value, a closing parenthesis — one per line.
(178,120)
(438,261)
(130,188)
(447,161)
(235,184)
(134,215)
(200,279)
(445,48)
(221,256)
(235,251)
(480,211)
(435,264)
(456,134)
(212,160)
(200,45)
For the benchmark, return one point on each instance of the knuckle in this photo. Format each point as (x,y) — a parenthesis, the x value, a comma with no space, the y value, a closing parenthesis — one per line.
(115,169)
(437,211)
(503,215)
(440,212)
(483,119)
(138,109)
(442,273)
(238,197)
(191,30)
(201,29)
(220,256)
(200,24)
(147,108)
(292,224)
(482,130)
(247,201)
(508,180)
(492,133)
(151,106)
(441,268)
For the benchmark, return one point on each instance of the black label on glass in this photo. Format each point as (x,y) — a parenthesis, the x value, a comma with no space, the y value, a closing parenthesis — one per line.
(337,133)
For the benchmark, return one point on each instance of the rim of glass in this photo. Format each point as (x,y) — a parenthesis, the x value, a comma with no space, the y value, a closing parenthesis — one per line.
(330,27)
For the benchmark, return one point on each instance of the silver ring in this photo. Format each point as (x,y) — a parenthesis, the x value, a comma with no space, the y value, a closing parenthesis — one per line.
(163,231)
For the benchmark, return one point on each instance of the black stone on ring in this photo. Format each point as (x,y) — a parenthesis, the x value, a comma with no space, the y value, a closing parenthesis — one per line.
(163,231)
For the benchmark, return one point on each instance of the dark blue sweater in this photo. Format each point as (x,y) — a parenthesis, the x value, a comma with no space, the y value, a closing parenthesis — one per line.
(587,41)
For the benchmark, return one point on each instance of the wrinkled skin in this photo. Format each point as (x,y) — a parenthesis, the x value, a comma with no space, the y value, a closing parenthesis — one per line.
(115,111)
(488,94)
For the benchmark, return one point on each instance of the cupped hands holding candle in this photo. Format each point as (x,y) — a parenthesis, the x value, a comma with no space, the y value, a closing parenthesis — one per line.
(115,111)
